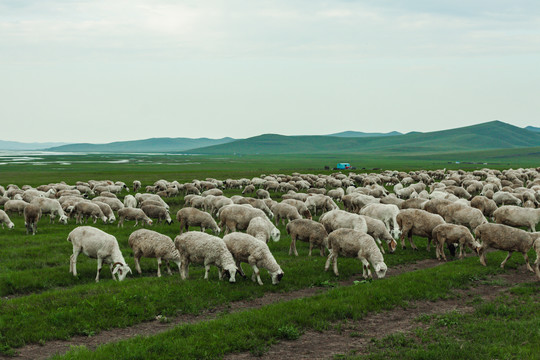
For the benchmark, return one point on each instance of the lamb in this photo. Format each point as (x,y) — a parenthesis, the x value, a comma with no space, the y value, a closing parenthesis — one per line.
(505,198)
(199,247)
(130,201)
(417,222)
(517,216)
(507,238)
(387,213)
(485,205)
(152,244)
(99,245)
(337,219)
(114,203)
(107,211)
(246,248)
(300,206)
(189,216)
(157,212)
(4,219)
(284,211)
(463,215)
(353,243)
(378,231)
(309,231)
(133,214)
(51,207)
(237,217)
(451,234)
(86,209)
(15,206)
(263,229)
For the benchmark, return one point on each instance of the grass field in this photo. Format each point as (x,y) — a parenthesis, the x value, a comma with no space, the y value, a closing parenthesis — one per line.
(42,301)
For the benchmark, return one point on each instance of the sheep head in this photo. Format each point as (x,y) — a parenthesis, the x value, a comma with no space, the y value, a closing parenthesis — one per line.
(121,269)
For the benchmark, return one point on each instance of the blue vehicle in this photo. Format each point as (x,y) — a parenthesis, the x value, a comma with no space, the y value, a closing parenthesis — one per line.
(343,166)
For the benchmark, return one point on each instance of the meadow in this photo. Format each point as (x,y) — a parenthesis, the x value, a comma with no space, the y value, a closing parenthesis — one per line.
(41,301)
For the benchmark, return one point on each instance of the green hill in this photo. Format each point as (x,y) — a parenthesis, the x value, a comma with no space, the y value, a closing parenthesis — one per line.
(533,128)
(363,134)
(485,136)
(147,145)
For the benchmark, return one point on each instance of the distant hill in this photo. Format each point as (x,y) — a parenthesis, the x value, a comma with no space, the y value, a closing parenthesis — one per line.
(15,145)
(533,128)
(147,145)
(485,136)
(363,134)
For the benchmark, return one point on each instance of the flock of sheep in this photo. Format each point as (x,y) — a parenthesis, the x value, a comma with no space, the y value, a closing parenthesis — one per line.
(446,207)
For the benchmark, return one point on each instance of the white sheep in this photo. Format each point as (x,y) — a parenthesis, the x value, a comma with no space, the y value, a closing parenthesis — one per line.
(133,214)
(51,207)
(387,213)
(99,245)
(130,201)
(198,247)
(263,229)
(151,244)
(337,219)
(246,248)
(517,216)
(4,219)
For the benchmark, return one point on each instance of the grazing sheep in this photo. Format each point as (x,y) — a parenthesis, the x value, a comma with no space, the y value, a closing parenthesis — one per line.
(263,229)
(505,198)
(378,231)
(517,216)
(144,197)
(387,213)
(248,189)
(485,205)
(262,194)
(284,211)
(215,192)
(246,248)
(417,222)
(300,206)
(86,209)
(99,245)
(4,219)
(320,202)
(136,185)
(133,214)
(308,231)
(107,211)
(189,216)
(507,238)
(457,213)
(51,207)
(15,206)
(152,244)
(256,203)
(237,217)
(32,214)
(353,243)
(157,212)
(202,248)
(337,219)
(417,203)
(114,203)
(336,194)
(451,234)
(130,201)
(435,206)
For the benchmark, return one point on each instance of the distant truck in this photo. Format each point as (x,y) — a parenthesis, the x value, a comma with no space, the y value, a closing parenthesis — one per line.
(343,166)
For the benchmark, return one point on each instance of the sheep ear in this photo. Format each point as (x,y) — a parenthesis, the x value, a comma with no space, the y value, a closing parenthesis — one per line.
(115,270)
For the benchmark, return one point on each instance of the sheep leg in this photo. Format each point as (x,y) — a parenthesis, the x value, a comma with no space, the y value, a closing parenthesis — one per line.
(256,274)
(207,270)
(321,248)
(483,255)
(461,253)
(366,268)
(179,264)
(73,261)
(168,267)
(428,243)
(505,260)
(184,269)
(334,258)
(240,271)
(310,248)
(379,243)
(526,257)
(137,258)
(293,245)
(327,265)
(137,223)
(158,267)
(99,265)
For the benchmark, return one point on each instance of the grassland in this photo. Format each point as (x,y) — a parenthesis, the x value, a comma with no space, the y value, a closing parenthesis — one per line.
(41,301)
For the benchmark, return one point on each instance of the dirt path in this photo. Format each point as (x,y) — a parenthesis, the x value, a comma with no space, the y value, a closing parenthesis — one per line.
(355,336)
(36,351)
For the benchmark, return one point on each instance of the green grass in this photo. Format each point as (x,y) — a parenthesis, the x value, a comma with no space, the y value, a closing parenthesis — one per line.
(255,330)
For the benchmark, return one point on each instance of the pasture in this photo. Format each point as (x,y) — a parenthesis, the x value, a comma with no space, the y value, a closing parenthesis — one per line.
(42,303)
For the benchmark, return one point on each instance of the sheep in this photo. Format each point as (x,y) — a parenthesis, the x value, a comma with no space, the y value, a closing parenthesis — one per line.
(152,244)
(417,222)
(337,219)
(114,203)
(99,245)
(136,185)
(51,207)
(107,211)
(130,201)
(199,247)
(248,189)
(463,215)
(263,229)
(353,243)
(157,212)
(284,211)
(505,198)
(194,217)
(4,219)
(320,202)
(300,206)
(144,197)
(485,205)
(435,206)
(246,248)
(215,192)
(387,213)
(15,206)
(262,194)
(237,217)
(451,234)
(256,203)
(517,216)
(86,209)
(133,214)
(378,231)
(336,194)
(218,202)
(32,214)
(417,203)
(309,231)
(507,238)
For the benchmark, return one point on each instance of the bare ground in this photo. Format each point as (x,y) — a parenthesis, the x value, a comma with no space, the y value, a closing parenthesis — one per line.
(311,345)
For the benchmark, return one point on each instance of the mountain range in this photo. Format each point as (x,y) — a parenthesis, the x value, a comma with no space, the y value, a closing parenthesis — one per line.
(484,136)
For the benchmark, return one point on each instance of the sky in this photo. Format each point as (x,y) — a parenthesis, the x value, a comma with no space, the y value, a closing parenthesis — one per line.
(110,70)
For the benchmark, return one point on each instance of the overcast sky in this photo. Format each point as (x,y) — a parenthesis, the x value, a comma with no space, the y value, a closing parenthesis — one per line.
(106,70)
